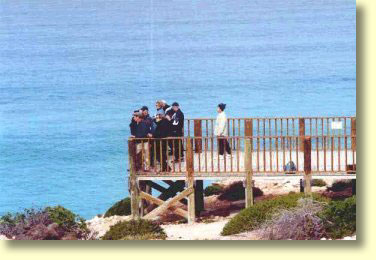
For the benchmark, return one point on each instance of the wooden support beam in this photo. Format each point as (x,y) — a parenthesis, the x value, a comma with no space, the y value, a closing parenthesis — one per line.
(198,133)
(159,202)
(301,133)
(157,187)
(249,173)
(170,192)
(307,165)
(199,196)
(353,133)
(190,181)
(169,203)
(134,189)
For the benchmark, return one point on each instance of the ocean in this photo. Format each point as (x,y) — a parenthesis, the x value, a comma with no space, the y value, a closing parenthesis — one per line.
(71,73)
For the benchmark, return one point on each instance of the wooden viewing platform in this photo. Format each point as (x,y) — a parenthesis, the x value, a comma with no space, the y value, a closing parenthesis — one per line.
(260,148)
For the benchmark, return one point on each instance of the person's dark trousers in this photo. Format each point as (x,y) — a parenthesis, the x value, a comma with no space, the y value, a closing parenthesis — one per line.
(223,144)
(178,147)
(161,147)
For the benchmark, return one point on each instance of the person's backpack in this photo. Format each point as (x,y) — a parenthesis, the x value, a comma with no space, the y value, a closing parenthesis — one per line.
(289,167)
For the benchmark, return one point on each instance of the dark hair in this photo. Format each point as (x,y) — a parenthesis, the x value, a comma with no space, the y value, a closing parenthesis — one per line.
(222,106)
(175,104)
(144,108)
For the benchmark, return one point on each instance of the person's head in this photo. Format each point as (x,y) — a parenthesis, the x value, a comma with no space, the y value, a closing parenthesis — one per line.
(221,107)
(163,102)
(145,110)
(137,116)
(159,117)
(175,106)
(158,104)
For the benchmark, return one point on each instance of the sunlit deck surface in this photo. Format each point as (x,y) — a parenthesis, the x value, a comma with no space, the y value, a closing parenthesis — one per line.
(212,165)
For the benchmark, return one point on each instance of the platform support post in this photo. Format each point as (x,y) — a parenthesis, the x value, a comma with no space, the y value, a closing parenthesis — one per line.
(307,166)
(198,133)
(249,173)
(133,183)
(190,181)
(353,186)
(301,133)
(353,133)
(199,196)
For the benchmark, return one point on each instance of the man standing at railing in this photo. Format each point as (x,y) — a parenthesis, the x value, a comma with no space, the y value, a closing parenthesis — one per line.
(221,130)
(177,125)
(142,130)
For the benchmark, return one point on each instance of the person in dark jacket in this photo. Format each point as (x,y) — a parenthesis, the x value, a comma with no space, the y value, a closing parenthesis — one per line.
(142,130)
(159,148)
(133,124)
(146,117)
(177,130)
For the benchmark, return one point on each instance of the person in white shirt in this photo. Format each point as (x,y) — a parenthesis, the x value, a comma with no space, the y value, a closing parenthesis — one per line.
(221,130)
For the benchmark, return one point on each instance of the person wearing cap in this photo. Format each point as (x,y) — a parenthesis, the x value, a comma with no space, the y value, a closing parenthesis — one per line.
(177,130)
(146,117)
(221,130)
(133,124)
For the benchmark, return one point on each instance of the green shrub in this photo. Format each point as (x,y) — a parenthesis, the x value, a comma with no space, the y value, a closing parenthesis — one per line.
(252,217)
(340,185)
(65,217)
(120,208)
(135,230)
(235,191)
(339,218)
(51,223)
(318,183)
(213,190)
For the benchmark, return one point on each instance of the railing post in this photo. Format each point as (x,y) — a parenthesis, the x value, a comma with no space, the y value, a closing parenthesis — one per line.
(353,133)
(198,133)
(301,133)
(248,127)
(249,173)
(190,181)
(133,184)
(307,165)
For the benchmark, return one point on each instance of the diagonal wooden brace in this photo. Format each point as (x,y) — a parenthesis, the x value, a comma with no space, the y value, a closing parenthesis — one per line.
(159,202)
(169,203)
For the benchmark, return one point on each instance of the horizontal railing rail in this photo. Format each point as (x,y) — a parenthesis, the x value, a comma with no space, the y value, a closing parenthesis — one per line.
(267,154)
(275,126)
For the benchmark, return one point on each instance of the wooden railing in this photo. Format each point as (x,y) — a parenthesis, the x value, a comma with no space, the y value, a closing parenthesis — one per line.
(275,126)
(266,155)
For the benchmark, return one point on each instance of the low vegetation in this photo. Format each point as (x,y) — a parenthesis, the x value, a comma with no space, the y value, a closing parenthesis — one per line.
(300,223)
(120,208)
(235,191)
(340,185)
(318,183)
(253,217)
(135,230)
(339,218)
(51,223)
(213,190)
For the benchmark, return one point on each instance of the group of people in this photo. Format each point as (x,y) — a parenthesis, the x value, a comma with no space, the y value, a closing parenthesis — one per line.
(169,122)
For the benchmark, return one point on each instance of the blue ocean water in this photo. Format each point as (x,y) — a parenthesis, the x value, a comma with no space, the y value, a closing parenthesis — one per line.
(71,72)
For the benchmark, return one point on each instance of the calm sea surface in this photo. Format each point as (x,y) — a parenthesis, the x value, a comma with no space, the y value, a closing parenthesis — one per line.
(71,72)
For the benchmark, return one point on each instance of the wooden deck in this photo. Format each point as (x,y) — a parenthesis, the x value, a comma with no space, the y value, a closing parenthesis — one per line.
(261,149)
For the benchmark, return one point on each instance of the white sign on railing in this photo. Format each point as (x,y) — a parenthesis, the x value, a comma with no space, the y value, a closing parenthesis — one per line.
(336,125)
